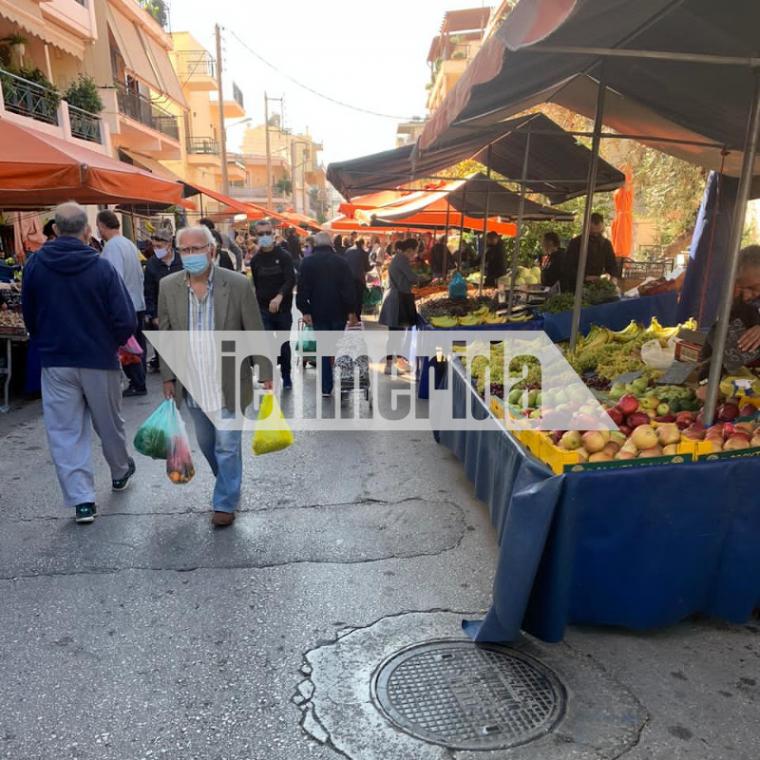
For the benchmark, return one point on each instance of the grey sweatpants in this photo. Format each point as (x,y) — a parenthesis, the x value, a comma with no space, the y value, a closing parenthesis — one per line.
(72,399)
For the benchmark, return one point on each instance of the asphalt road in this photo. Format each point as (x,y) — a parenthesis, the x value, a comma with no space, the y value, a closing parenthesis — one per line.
(150,635)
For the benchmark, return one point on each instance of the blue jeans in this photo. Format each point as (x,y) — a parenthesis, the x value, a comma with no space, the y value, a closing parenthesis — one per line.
(223,452)
(327,367)
(282,322)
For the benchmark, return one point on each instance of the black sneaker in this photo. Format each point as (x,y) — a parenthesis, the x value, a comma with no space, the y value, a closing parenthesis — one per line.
(130,392)
(85,513)
(122,483)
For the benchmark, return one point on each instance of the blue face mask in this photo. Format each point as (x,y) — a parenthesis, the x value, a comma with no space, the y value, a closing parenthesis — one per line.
(195,263)
(266,241)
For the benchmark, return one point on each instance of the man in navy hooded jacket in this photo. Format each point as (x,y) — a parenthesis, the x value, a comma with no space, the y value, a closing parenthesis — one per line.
(79,312)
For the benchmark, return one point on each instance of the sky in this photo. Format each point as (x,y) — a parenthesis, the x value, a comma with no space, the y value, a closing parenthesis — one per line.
(372,55)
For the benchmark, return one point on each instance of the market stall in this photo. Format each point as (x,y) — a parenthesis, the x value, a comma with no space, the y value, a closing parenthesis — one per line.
(659,520)
(637,547)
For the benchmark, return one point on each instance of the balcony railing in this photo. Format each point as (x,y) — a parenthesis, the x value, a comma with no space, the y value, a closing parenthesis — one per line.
(254,191)
(205,146)
(140,108)
(195,64)
(28,98)
(85,125)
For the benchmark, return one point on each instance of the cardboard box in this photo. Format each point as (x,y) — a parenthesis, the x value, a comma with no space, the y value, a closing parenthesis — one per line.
(689,346)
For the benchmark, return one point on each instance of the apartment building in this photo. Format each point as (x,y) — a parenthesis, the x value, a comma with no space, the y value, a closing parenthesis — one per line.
(44,45)
(462,33)
(298,178)
(200,160)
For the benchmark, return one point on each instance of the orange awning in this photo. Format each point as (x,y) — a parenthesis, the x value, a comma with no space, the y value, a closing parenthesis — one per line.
(39,170)
(344,223)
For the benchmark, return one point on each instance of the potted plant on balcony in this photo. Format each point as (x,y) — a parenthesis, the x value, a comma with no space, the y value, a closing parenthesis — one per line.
(83,94)
(17,45)
(20,96)
(284,186)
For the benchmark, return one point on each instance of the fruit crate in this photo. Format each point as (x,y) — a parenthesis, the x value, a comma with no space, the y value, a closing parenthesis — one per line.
(695,449)
(627,464)
(716,456)
(557,458)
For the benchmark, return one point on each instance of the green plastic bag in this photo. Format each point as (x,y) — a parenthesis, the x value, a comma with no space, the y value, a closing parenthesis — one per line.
(306,343)
(152,437)
(272,431)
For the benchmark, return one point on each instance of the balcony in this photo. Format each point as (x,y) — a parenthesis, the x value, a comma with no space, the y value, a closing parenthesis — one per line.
(196,69)
(27,98)
(84,125)
(205,146)
(30,104)
(137,106)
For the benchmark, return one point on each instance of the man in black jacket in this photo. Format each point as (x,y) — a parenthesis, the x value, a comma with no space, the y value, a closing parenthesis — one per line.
(496,259)
(274,278)
(357,258)
(326,295)
(553,261)
(165,261)
(601,257)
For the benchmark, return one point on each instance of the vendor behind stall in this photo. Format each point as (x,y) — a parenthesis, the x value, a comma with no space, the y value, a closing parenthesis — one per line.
(496,259)
(743,340)
(553,259)
(601,257)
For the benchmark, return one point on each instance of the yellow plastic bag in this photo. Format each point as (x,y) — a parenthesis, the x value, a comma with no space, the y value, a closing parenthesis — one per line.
(272,431)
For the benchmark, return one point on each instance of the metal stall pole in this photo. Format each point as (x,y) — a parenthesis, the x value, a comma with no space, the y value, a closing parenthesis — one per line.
(461,229)
(518,237)
(592,174)
(446,242)
(485,222)
(740,212)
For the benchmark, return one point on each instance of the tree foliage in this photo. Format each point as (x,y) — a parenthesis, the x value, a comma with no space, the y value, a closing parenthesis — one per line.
(157,9)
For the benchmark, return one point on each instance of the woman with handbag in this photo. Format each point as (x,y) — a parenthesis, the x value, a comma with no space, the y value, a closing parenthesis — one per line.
(399,311)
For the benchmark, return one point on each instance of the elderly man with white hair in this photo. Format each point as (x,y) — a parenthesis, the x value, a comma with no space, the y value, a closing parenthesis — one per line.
(199,300)
(78,310)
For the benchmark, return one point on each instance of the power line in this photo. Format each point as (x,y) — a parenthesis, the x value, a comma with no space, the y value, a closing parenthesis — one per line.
(322,95)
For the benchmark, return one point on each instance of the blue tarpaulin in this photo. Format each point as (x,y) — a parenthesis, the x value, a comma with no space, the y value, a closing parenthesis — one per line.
(706,274)
(616,315)
(636,548)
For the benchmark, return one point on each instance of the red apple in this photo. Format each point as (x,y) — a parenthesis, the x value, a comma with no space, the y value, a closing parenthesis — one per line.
(637,418)
(628,404)
(728,412)
(616,415)
(666,418)
(694,433)
(747,411)
(625,430)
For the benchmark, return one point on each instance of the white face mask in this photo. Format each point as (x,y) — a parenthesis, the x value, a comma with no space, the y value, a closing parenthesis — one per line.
(162,253)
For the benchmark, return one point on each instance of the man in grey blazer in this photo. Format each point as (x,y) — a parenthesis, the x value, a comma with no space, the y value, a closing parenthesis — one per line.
(200,300)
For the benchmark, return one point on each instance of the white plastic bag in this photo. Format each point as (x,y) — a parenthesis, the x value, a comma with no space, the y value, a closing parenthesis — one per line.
(657,357)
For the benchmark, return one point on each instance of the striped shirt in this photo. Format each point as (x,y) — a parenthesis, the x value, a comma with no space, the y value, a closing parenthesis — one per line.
(204,357)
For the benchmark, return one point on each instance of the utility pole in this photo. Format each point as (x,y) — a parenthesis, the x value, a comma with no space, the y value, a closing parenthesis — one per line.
(269,152)
(269,146)
(222,131)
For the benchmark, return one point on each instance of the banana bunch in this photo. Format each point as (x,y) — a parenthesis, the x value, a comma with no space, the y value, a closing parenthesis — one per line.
(631,332)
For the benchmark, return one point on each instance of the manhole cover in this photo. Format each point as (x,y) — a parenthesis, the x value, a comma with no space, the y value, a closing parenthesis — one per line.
(469,697)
